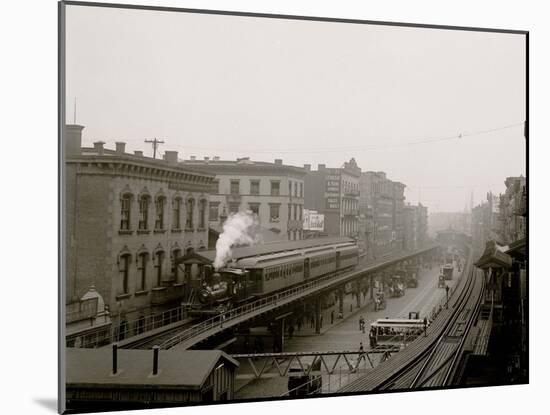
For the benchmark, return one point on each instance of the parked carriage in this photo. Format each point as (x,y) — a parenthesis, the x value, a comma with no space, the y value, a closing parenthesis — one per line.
(396,286)
(379,301)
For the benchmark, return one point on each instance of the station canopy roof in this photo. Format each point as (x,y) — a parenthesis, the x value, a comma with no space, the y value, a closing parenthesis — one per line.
(494,256)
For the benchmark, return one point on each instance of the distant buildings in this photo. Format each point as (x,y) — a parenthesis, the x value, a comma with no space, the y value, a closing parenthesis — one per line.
(381,213)
(127,219)
(334,192)
(513,209)
(441,221)
(274,192)
(485,223)
(501,218)
(415,220)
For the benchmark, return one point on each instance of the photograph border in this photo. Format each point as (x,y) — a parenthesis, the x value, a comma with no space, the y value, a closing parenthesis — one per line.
(61,178)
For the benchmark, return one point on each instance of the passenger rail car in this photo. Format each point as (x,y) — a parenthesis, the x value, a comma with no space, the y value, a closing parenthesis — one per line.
(253,277)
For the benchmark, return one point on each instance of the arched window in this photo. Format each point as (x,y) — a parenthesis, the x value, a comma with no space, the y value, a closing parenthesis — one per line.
(143,212)
(189,213)
(124,267)
(125,211)
(142,261)
(176,217)
(159,262)
(176,254)
(159,207)
(202,214)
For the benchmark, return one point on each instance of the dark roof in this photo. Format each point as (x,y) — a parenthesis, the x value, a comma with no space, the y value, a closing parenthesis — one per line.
(494,256)
(181,368)
(272,247)
(517,248)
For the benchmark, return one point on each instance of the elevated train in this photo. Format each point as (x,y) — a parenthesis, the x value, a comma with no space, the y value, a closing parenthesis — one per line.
(251,277)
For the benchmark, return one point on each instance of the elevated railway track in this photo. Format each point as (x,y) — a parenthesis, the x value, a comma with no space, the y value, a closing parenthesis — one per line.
(431,361)
(232,318)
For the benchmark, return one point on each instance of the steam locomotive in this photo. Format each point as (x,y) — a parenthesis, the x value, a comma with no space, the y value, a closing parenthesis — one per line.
(258,274)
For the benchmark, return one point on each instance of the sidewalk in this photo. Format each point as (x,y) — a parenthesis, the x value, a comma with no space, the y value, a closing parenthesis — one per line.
(308,331)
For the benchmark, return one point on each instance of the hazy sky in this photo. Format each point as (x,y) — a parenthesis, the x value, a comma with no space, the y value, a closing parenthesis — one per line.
(306,92)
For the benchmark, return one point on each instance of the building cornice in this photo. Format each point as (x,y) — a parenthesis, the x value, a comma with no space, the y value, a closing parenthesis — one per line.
(121,166)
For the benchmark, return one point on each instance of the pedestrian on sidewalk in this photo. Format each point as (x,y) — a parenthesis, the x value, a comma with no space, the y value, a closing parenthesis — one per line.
(332,317)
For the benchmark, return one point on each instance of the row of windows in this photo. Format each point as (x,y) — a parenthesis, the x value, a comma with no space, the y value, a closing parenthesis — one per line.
(294,188)
(298,212)
(141,268)
(144,213)
(283,271)
(294,211)
(287,270)
(323,261)
(348,256)
(350,186)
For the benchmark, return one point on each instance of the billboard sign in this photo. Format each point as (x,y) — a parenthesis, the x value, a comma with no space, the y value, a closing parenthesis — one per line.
(333,202)
(332,191)
(313,221)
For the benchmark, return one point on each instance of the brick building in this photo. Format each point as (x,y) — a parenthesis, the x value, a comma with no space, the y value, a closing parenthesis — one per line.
(274,192)
(381,207)
(512,209)
(127,218)
(485,223)
(415,226)
(334,192)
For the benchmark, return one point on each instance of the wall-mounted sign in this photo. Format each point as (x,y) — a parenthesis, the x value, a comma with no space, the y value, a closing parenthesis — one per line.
(313,221)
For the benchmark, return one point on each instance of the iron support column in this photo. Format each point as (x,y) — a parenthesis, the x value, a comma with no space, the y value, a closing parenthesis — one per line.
(318,315)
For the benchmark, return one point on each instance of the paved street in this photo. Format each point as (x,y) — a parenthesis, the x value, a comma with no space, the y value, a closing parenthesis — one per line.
(345,334)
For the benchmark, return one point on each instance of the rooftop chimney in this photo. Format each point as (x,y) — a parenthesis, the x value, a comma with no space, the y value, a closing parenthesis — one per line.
(216,158)
(279,161)
(321,167)
(120,147)
(193,157)
(155,360)
(138,153)
(115,358)
(98,147)
(171,157)
(307,167)
(72,137)
(206,158)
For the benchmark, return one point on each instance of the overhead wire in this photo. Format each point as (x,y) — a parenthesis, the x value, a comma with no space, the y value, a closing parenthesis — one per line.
(310,150)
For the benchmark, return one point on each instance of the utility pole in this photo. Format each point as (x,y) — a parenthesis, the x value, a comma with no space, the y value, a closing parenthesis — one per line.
(155,144)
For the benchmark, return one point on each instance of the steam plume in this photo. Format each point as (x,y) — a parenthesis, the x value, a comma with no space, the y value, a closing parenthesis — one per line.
(239,229)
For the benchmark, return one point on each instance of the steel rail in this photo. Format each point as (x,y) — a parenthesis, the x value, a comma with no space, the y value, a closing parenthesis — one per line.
(473,317)
(452,321)
(429,352)
(433,352)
